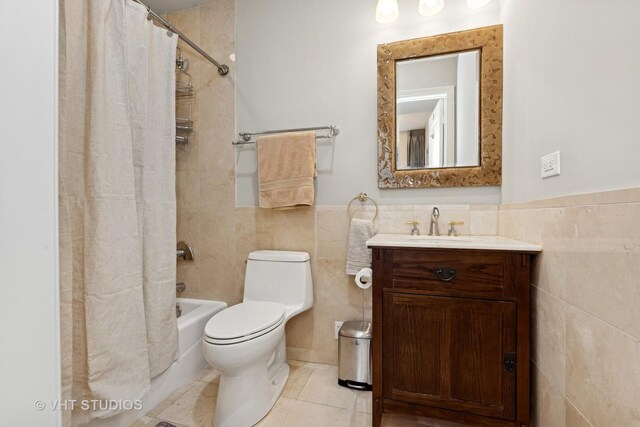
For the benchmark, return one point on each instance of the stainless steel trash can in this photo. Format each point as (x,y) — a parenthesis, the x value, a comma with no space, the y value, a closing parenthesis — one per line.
(354,355)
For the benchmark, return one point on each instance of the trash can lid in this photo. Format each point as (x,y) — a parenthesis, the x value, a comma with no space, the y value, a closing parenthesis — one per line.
(355,329)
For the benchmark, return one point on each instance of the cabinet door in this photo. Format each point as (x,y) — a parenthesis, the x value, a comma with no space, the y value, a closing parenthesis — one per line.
(450,353)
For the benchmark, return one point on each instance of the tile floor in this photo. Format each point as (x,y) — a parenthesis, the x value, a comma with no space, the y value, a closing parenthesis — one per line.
(311,398)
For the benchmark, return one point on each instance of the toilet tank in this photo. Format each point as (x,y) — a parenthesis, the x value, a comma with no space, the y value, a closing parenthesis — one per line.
(280,276)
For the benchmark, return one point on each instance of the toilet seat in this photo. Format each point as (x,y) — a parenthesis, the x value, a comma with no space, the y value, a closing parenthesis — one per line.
(243,322)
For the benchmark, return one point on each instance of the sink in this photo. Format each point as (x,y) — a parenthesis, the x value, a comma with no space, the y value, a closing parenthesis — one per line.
(451,242)
(442,238)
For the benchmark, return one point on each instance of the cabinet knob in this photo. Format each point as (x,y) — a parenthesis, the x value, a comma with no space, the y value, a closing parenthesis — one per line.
(445,274)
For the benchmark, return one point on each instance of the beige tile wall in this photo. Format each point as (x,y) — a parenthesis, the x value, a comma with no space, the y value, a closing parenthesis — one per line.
(586,306)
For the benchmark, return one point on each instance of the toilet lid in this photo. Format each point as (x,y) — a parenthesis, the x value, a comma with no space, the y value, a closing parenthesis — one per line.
(244,319)
(281,256)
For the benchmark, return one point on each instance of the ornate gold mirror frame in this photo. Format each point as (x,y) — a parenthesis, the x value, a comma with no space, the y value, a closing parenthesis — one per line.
(489,41)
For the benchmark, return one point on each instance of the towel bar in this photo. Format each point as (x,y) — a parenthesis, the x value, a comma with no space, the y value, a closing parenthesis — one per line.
(332,131)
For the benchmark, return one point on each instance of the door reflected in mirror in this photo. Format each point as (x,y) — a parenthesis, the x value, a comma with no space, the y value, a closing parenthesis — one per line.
(438,111)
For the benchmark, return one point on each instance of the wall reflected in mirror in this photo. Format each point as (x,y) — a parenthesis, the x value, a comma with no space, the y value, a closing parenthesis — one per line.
(437,111)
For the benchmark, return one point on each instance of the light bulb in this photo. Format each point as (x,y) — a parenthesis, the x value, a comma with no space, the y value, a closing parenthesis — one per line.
(477,4)
(386,11)
(430,7)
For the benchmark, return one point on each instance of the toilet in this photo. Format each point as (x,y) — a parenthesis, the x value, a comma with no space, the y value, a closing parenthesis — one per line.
(246,342)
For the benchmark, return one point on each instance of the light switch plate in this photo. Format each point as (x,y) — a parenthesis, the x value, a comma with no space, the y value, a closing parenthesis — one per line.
(550,165)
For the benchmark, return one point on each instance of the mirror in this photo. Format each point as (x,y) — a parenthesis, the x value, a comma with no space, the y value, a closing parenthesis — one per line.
(437,111)
(440,110)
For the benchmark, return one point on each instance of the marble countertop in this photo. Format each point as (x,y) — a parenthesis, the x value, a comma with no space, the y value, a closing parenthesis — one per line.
(497,243)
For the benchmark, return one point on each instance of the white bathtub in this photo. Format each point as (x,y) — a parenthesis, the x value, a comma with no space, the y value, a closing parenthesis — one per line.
(195,314)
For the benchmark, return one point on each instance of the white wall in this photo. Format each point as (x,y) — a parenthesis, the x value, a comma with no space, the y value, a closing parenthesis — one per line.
(421,74)
(467,111)
(311,63)
(29,341)
(571,83)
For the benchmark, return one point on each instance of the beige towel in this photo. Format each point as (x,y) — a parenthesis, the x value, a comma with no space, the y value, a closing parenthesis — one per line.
(286,168)
(358,255)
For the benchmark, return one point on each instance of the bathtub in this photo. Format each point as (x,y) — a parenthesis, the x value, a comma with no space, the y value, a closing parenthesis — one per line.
(195,314)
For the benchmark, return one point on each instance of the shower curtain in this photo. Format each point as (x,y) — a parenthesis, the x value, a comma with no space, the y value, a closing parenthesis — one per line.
(117,202)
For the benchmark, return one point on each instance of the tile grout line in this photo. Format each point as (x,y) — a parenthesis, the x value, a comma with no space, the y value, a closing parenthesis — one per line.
(171,402)
(634,338)
(578,410)
(284,419)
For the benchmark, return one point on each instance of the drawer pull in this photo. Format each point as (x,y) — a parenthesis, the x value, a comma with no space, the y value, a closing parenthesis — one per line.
(445,274)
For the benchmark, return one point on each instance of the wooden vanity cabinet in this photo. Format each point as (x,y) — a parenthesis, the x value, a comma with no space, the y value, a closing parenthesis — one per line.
(451,335)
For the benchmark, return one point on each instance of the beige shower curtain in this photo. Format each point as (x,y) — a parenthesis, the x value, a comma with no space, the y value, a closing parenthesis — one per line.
(117,202)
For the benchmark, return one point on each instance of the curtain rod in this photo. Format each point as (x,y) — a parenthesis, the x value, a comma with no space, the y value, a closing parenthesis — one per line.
(222,69)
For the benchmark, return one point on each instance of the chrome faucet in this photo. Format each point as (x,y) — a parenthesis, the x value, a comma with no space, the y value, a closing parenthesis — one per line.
(180,287)
(415,231)
(433,228)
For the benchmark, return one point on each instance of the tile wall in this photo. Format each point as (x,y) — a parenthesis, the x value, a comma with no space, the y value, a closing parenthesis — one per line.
(586,306)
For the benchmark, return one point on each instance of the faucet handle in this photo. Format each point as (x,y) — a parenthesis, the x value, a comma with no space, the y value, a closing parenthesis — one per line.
(415,231)
(452,227)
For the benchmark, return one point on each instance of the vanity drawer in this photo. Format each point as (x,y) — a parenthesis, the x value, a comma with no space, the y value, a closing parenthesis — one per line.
(453,272)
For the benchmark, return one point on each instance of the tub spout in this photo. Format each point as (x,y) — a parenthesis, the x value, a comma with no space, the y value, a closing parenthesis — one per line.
(180,287)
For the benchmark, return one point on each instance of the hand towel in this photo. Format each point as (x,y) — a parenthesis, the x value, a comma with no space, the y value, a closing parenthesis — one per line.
(286,168)
(358,255)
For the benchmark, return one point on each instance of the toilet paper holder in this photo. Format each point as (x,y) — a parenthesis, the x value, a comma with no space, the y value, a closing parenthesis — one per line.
(364,273)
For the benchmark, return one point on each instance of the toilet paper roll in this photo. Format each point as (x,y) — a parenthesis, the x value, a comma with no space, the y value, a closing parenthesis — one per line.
(364,278)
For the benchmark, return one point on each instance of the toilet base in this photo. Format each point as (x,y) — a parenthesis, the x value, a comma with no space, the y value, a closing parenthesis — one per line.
(247,397)
(248,412)
(277,385)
